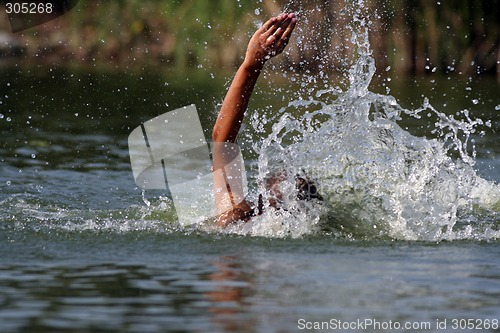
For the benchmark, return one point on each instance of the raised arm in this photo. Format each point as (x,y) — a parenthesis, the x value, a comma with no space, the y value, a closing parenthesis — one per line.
(268,41)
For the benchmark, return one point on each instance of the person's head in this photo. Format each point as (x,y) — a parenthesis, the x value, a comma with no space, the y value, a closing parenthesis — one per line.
(306,188)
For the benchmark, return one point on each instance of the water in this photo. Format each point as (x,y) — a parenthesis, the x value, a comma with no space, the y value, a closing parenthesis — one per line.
(377,179)
(408,231)
(140,281)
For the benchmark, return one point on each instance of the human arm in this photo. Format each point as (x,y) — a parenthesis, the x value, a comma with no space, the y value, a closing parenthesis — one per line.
(267,42)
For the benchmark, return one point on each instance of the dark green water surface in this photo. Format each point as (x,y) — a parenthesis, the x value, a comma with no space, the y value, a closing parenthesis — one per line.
(80,251)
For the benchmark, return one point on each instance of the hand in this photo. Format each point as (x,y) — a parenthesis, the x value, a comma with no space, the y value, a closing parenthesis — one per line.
(270,40)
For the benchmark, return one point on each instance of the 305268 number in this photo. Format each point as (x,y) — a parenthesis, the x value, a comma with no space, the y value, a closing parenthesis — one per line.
(29,8)
(475,324)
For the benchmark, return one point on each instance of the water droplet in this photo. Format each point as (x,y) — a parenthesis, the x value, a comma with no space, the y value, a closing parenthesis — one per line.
(475,101)
(8,183)
(146,201)
(33,155)
(257,12)
(497,108)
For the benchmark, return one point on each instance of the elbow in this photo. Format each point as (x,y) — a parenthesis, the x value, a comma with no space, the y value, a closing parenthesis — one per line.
(220,135)
(215,134)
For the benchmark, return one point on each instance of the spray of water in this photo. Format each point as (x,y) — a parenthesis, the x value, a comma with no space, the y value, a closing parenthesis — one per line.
(376,179)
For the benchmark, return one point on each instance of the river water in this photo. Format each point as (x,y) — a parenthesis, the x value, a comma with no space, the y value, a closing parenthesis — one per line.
(406,236)
(82,252)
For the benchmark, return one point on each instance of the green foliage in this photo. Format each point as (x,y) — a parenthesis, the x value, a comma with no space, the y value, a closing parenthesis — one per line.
(410,35)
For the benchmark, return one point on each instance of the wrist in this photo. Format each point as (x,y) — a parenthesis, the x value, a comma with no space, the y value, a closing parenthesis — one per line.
(253,65)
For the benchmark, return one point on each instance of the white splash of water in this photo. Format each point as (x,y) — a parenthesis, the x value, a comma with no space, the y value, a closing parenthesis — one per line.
(377,180)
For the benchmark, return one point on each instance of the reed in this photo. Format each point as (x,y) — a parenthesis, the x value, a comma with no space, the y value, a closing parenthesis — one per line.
(412,36)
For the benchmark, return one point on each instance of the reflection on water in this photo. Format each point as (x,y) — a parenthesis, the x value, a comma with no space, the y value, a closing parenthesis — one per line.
(109,297)
(231,286)
(102,284)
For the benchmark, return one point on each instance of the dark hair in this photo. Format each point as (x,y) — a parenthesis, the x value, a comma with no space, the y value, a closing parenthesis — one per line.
(307,189)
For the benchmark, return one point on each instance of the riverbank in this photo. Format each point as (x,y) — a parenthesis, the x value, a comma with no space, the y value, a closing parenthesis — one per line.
(412,37)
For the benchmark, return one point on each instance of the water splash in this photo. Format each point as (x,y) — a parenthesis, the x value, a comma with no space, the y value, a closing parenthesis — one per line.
(377,179)
(31,213)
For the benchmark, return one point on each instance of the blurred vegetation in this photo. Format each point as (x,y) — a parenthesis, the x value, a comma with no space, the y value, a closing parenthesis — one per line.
(411,36)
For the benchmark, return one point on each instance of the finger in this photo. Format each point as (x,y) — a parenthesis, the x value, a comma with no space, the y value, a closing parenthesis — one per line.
(283,41)
(280,26)
(278,21)
(270,40)
(276,36)
(289,29)
(268,24)
(284,26)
